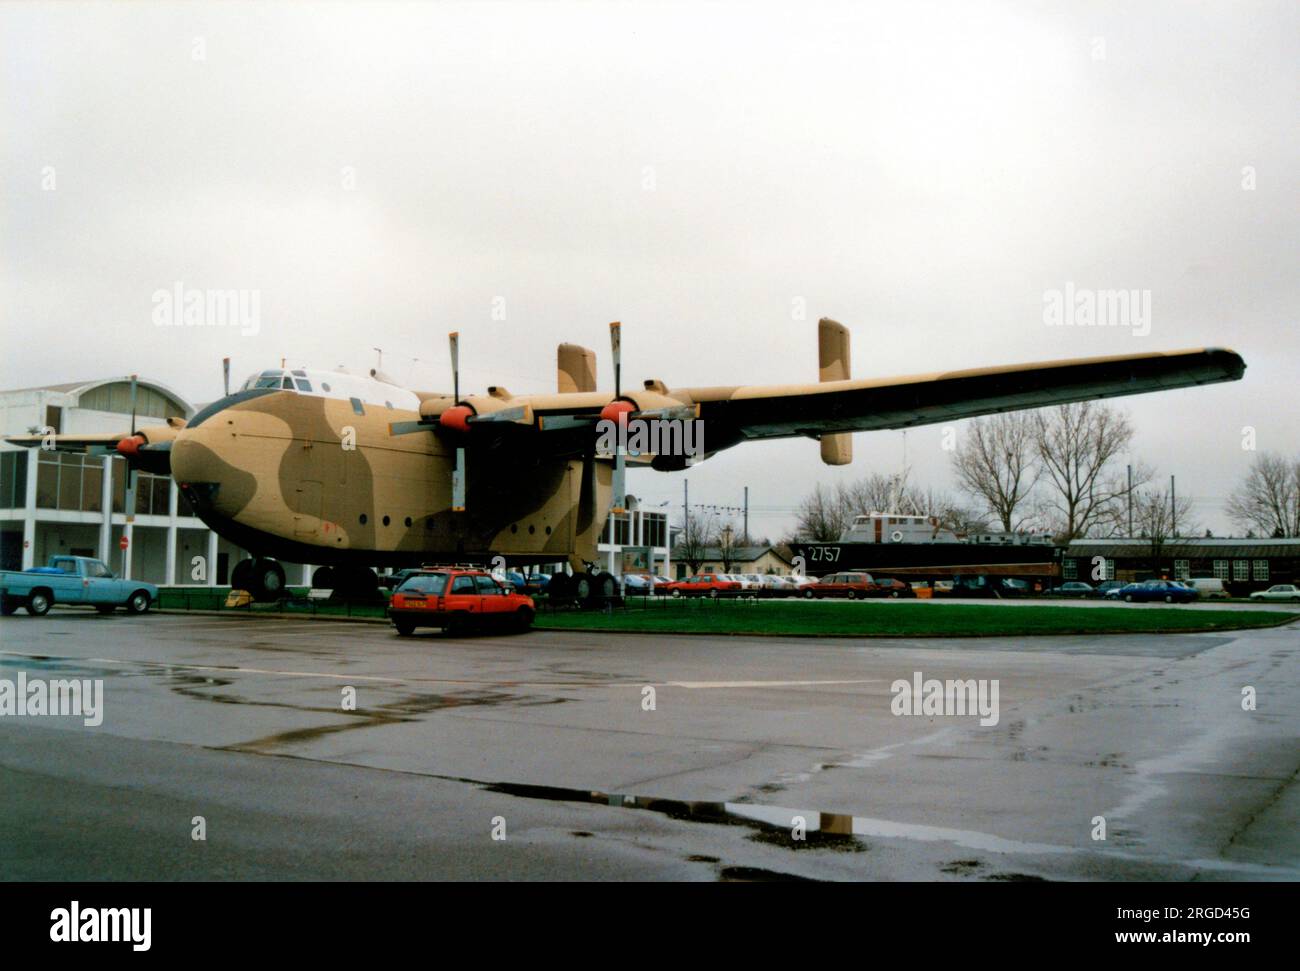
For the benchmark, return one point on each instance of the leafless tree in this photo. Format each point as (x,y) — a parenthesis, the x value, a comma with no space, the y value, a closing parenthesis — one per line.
(1268,500)
(998,464)
(1158,519)
(822,515)
(1078,446)
(693,540)
(726,538)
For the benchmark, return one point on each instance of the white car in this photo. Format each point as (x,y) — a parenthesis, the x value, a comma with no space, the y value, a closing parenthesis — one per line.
(1279,591)
(1209,588)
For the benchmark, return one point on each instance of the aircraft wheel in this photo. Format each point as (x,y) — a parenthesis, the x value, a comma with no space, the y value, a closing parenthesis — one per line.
(241,577)
(324,578)
(582,586)
(559,588)
(603,587)
(267,578)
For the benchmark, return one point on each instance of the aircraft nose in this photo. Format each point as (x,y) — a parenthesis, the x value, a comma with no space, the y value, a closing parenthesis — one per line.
(208,467)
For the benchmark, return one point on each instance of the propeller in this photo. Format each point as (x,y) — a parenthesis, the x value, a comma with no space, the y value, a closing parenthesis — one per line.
(225,376)
(618,413)
(456,417)
(134,447)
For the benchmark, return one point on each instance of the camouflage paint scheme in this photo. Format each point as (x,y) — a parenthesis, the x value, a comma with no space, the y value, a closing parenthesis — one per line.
(269,470)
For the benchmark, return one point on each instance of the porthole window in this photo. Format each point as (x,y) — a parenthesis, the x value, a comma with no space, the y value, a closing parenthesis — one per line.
(324,386)
(532,529)
(514,527)
(363,519)
(407,521)
(385,520)
(548,530)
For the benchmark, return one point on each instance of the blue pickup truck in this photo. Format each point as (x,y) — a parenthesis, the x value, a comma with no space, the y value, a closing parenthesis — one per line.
(72,580)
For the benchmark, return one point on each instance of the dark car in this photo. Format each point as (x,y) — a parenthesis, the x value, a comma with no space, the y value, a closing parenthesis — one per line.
(889,587)
(1148,591)
(1109,585)
(1076,589)
(986,586)
(394,580)
(456,600)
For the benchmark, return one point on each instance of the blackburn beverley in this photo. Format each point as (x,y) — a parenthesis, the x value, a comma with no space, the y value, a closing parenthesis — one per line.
(353,472)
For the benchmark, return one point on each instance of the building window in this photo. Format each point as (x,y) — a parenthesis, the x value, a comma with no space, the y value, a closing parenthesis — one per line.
(1241,569)
(1070,568)
(1182,569)
(654,529)
(54,418)
(13,480)
(1261,570)
(1221,569)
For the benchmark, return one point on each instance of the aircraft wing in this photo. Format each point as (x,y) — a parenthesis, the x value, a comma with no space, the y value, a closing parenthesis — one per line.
(103,444)
(779,411)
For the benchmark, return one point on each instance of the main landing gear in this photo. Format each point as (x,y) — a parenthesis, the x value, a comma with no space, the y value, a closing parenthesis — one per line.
(348,582)
(262,577)
(588,590)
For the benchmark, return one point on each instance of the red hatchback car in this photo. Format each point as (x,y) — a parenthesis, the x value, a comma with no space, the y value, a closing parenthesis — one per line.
(855,586)
(457,600)
(704,585)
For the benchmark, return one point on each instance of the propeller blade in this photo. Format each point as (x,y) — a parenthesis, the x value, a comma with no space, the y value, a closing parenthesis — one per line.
(616,348)
(617,500)
(454,338)
(457,473)
(458,483)
(134,392)
(225,375)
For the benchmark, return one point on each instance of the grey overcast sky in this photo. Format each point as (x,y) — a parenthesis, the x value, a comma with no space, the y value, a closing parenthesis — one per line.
(925,173)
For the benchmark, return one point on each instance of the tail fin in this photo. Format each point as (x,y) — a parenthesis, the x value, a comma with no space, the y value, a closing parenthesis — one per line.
(833,362)
(575,369)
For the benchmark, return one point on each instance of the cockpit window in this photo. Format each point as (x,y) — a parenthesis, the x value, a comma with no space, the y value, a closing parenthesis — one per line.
(268,382)
(303,385)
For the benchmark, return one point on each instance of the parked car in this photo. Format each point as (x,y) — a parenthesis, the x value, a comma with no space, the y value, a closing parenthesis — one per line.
(395,579)
(798,581)
(855,586)
(1170,591)
(705,585)
(776,586)
(984,586)
(889,587)
(1209,588)
(72,580)
(1076,588)
(642,584)
(1107,586)
(457,600)
(1279,591)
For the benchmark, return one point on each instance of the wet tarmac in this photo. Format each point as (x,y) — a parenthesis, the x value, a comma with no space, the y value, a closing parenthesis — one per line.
(590,756)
